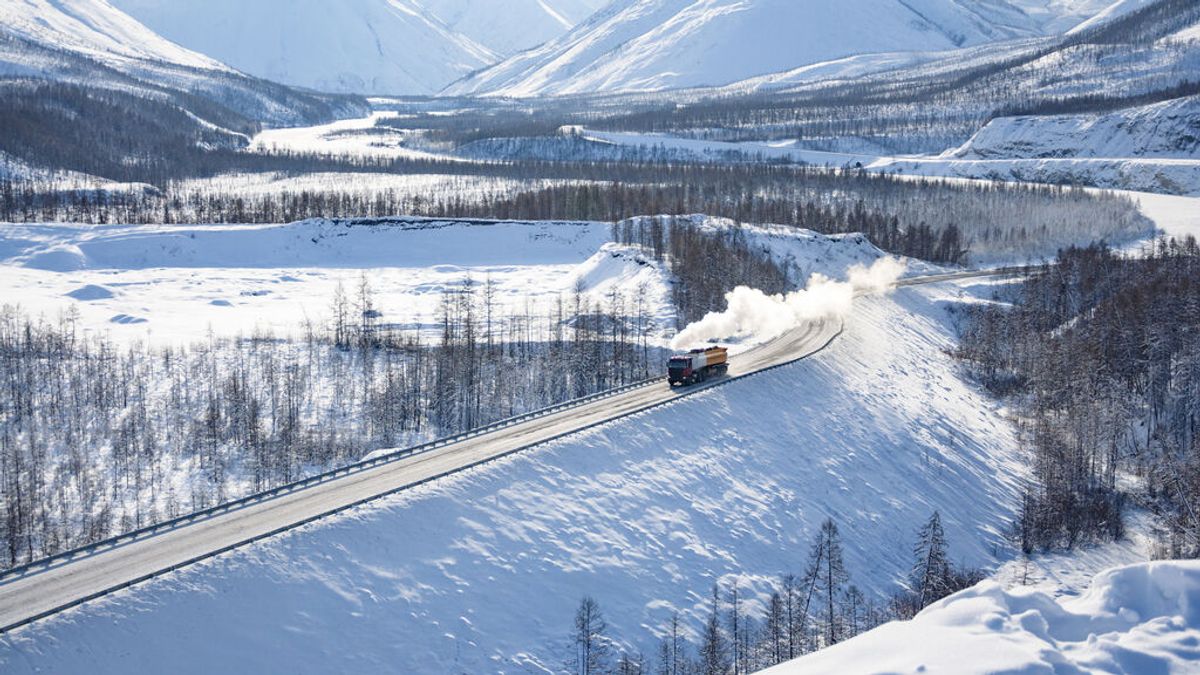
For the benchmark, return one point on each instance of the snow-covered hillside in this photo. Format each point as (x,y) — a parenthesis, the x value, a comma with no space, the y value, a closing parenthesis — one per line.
(658,44)
(97,29)
(1141,618)
(352,46)
(482,572)
(513,25)
(1163,130)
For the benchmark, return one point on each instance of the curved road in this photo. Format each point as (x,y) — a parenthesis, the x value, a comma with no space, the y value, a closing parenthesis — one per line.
(45,590)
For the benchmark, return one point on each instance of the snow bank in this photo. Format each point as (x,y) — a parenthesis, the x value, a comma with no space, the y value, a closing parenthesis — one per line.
(626,271)
(482,572)
(1141,618)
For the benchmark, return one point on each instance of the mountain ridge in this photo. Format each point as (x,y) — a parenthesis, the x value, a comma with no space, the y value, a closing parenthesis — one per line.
(648,45)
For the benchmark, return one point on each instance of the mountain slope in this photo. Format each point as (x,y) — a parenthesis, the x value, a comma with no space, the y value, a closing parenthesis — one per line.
(513,25)
(92,44)
(347,46)
(658,44)
(1170,129)
(96,29)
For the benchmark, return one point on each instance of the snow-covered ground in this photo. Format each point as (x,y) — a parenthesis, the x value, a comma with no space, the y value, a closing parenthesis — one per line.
(357,137)
(481,572)
(428,187)
(1069,573)
(174,283)
(1137,619)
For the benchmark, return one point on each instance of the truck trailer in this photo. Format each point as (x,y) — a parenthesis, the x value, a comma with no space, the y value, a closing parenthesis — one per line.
(697,365)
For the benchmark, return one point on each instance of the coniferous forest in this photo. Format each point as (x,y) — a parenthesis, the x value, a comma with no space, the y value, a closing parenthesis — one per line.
(1101,353)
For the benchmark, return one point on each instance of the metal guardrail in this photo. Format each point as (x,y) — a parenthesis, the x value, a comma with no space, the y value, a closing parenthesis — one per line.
(407,453)
(258,497)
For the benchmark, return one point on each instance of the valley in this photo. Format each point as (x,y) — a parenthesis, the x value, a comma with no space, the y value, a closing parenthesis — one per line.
(333,336)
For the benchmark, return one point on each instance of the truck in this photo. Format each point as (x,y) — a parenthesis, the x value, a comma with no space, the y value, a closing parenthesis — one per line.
(697,365)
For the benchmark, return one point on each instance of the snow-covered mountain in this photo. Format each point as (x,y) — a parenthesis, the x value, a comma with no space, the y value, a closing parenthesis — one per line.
(348,46)
(659,44)
(513,25)
(95,29)
(93,44)
(360,46)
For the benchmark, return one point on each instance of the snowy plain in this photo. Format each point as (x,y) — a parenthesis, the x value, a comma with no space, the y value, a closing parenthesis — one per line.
(173,284)
(358,137)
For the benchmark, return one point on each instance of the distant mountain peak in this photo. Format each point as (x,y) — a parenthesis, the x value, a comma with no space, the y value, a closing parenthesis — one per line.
(664,44)
(359,46)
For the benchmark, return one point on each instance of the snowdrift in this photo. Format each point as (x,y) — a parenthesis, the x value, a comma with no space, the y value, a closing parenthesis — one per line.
(1137,619)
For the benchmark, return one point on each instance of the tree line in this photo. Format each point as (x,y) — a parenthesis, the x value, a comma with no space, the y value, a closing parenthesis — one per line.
(934,220)
(801,613)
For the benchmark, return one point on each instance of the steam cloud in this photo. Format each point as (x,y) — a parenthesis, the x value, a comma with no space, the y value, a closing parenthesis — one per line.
(754,316)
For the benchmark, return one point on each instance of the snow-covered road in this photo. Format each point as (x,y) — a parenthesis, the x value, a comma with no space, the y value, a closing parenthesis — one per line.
(44,591)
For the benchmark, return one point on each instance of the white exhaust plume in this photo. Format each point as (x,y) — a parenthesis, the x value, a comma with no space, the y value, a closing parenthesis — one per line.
(753,316)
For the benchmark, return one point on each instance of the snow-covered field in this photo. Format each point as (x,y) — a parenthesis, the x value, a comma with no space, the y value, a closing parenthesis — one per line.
(359,137)
(174,283)
(481,572)
(1137,619)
